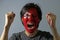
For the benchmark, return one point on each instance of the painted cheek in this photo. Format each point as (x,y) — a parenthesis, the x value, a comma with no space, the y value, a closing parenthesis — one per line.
(25,24)
(24,20)
(37,20)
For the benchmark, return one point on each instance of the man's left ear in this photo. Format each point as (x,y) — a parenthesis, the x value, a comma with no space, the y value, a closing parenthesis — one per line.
(39,20)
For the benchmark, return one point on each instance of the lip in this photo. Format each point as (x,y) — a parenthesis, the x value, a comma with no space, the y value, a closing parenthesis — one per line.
(30,25)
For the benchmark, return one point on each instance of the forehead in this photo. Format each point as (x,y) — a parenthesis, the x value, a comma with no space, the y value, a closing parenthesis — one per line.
(32,11)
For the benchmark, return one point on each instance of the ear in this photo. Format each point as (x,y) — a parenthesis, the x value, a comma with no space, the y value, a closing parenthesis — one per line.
(21,19)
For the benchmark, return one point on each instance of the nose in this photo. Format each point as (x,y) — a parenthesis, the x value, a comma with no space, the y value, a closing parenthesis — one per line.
(31,18)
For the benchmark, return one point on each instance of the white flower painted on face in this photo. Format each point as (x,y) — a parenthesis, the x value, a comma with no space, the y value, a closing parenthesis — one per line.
(27,15)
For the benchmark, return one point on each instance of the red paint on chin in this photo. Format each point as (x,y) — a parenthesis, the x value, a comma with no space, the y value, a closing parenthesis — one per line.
(33,19)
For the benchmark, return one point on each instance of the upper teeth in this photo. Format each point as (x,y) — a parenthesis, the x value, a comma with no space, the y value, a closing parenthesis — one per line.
(30,23)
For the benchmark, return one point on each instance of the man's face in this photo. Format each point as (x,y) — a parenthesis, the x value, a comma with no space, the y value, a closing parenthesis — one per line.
(30,20)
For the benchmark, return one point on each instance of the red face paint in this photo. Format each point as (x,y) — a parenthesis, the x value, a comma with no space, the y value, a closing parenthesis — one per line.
(31,20)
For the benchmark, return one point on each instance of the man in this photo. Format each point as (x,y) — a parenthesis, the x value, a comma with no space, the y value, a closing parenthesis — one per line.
(31,15)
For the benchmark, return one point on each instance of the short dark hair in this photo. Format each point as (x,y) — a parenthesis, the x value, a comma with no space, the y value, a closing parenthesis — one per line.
(31,5)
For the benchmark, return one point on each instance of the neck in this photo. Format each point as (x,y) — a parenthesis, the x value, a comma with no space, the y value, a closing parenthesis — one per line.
(31,34)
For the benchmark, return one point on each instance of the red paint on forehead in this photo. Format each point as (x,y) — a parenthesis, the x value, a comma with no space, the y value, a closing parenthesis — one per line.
(33,11)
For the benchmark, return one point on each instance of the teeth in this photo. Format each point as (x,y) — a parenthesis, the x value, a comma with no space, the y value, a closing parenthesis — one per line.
(31,28)
(30,23)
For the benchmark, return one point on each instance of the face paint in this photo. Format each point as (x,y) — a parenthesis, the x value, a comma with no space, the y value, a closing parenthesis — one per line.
(31,20)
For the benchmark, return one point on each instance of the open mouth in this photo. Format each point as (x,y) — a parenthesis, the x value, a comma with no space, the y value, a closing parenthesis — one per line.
(30,25)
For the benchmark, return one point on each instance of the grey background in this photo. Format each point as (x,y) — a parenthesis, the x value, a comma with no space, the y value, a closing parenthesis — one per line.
(16,6)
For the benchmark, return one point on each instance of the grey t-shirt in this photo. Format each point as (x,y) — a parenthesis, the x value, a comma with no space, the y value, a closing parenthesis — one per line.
(41,35)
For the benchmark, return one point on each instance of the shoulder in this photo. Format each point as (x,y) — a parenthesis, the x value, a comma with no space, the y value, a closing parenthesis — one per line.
(45,34)
(16,36)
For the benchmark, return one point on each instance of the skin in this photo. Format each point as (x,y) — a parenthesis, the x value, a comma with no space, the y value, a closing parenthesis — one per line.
(30,17)
(9,17)
(51,18)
